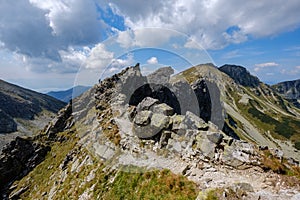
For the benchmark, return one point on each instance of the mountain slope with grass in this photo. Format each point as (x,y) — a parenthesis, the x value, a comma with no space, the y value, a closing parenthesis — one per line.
(154,137)
(255,112)
(24,112)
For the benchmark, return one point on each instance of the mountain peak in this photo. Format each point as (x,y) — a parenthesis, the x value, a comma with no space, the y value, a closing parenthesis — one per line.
(240,74)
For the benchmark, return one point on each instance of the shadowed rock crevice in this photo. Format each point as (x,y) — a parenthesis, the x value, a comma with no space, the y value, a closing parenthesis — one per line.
(155,91)
(18,158)
(204,100)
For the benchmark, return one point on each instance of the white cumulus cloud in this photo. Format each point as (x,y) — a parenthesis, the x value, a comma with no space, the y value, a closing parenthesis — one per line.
(216,23)
(260,66)
(99,57)
(267,64)
(152,60)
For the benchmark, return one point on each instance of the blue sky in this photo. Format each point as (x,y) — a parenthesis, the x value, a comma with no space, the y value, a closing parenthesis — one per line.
(55,44)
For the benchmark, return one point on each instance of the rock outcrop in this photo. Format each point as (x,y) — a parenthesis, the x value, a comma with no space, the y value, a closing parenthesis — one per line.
(190,135)
(289,90)
(240,75)
(18,158)
(7,123)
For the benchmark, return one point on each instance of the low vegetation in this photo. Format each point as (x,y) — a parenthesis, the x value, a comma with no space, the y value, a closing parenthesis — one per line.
(151,185)
(267,120)
(291,173)
(104,183)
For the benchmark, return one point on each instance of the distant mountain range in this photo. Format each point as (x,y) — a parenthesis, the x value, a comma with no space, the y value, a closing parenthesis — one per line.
(23,111)
(67,95)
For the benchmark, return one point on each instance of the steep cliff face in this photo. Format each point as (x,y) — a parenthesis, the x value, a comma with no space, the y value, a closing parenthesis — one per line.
(240,75)
(114,140)
(24,112)
(290,90)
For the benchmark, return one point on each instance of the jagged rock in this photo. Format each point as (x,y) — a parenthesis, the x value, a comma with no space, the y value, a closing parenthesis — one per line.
(130,80)
(143,118)
(158,122)
(163,109)
(61,122)
(160,76)
(186,97)
(19,157)
(293,161)
(240,75)
(206,146)
(131,113)
(203,98)
(174,145)
(164,138)
(192,121)
(105,151)
(177,124)
(278,154)
(16,195)
(215,137)
(177,121)
(7,123)
(238,154)
(146,104)
(263,148)
(296,197)
(189,144)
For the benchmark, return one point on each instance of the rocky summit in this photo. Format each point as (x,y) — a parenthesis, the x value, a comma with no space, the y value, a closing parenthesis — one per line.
(186,136)
(240,75)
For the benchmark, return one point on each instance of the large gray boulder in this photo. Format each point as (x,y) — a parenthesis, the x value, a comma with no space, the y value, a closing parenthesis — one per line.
(158,122)
(163,109)
(205,146)
(146,104)
(216,138)
(143,118)
(192,121)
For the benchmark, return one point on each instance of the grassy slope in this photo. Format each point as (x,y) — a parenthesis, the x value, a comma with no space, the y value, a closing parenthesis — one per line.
(277,120)
(106,183)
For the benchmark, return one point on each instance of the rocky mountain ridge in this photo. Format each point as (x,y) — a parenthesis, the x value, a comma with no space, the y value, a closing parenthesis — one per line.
(290,90)
(126,123)
(256,114)
(240,75)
